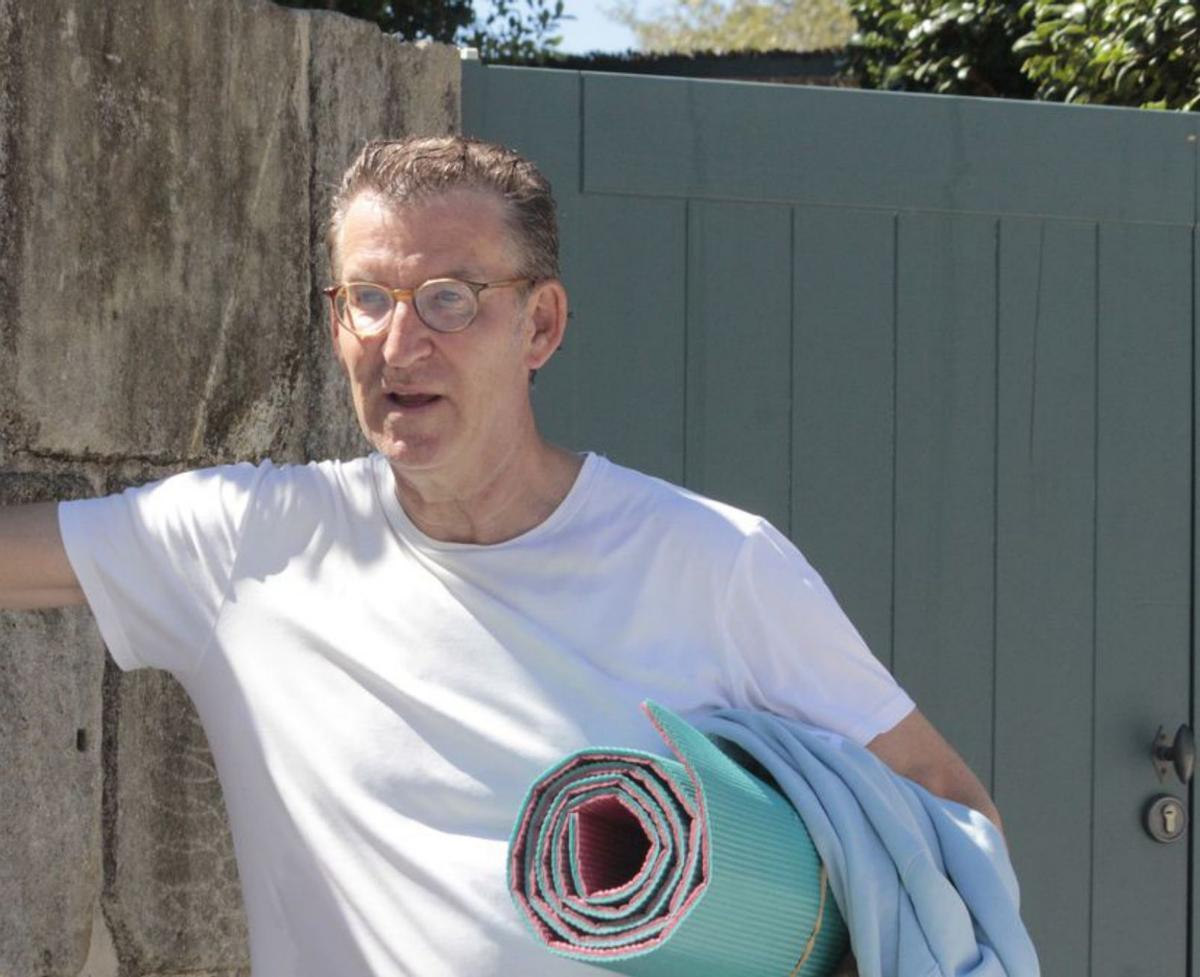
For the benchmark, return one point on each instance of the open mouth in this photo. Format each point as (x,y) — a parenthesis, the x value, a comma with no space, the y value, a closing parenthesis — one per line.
(413,401)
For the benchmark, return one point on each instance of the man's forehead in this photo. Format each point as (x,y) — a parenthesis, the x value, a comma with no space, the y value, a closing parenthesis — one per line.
(462,204)
(467,228)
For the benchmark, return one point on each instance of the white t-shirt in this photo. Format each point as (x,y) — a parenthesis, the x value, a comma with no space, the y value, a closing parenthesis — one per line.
(378,702)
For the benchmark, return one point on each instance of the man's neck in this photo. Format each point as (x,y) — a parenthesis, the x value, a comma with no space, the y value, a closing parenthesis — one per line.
(518,493)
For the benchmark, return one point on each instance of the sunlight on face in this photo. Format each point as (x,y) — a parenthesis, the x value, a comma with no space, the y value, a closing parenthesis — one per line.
(443,405)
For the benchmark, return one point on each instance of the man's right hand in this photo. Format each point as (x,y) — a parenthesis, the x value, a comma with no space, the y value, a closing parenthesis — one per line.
(34,570)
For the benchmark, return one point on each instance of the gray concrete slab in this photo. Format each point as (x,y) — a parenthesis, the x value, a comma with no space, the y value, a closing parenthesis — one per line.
(171,894)
(162,186)
(51,669)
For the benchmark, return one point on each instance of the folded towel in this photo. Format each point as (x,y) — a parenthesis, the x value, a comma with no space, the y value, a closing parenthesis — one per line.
(925,884)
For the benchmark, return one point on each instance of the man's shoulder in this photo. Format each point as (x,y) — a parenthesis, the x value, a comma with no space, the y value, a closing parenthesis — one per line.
(318,482)
(266,484)
(281,473)
(665,505)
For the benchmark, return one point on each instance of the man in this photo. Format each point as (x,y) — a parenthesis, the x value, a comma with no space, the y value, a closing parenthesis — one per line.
(385,652)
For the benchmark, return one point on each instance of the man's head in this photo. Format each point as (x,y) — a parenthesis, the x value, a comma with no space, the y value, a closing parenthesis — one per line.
(440,377)
(406,171)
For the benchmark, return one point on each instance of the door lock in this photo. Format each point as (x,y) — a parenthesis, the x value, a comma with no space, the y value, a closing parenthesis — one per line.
(1180,754)
(1166,818)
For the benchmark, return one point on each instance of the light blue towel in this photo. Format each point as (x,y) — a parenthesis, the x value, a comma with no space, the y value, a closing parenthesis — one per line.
(925,884)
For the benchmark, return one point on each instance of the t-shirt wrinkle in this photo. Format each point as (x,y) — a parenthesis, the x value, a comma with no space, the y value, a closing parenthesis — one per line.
(227,589)
(724,615)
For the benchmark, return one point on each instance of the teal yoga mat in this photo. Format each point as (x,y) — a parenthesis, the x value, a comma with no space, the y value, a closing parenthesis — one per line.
(656,867)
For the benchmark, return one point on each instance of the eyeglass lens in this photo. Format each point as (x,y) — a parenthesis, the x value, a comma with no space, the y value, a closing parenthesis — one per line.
(445,305)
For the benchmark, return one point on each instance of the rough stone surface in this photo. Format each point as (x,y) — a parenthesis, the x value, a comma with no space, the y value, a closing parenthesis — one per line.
(165,166)
(12,26)
(173,883)
(51,666)
(164,240)
(51,669)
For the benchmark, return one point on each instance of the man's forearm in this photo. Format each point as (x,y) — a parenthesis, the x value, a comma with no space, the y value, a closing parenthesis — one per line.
(918,751)
(34,569)
(40,600)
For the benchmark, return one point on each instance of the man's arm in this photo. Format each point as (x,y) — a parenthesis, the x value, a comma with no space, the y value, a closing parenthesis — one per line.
(34,570)
(914,749)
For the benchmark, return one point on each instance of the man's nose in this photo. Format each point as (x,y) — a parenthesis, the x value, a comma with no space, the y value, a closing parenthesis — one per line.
(407,339)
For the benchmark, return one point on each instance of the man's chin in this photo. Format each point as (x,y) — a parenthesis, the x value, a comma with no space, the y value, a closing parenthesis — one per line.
(408,454)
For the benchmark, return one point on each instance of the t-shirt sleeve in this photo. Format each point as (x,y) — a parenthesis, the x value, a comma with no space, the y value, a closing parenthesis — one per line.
(155,561)
(795,652)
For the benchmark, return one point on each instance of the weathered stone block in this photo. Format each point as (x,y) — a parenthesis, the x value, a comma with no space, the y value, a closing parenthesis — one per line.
(173,896)
(51,672)
(159,157)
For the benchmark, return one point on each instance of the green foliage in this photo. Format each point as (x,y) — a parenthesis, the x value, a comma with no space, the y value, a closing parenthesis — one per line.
(511,29)
(440,20)
(962,47)
(517,30)
(1118,52)
(1111,52)
(737,25)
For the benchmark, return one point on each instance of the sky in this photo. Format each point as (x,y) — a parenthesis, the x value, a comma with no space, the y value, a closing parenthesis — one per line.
(589,29)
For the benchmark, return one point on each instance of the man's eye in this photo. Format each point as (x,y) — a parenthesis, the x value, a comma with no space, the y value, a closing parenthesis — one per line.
(449,298)
(371,301)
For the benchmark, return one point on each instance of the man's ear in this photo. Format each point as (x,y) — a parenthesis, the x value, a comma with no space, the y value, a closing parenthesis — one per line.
(334,328)
(334,333)
(548,314)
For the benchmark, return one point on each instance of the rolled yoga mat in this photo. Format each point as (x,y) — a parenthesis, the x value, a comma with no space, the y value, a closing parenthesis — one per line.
(658,868)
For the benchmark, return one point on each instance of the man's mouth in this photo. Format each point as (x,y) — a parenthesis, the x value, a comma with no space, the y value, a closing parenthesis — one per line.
(413,401)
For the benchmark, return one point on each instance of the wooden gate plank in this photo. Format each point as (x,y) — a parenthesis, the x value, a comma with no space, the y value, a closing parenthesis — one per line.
(842,413)
(696,138)
(534,111)
(1194,889)
(1143,588)
(1045,566)
(945,460)
(618,387)
(739,284)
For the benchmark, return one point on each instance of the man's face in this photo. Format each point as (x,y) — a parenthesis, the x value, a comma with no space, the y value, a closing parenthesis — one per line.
(443,406)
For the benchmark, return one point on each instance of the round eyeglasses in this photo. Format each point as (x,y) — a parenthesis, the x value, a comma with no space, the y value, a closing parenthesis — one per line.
(443,304)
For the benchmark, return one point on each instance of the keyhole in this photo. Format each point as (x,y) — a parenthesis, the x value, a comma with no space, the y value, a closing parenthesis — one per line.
(1170,817)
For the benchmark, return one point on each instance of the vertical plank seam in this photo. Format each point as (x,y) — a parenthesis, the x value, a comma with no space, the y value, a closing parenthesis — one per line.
(1191,787)
(579,134)
(1037,325)
(895,427)
(995,494)
(687,315)
(1195,179)
(1096,271)
(791,417)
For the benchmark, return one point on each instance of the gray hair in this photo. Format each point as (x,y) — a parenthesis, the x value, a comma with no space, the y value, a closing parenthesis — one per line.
(404,171)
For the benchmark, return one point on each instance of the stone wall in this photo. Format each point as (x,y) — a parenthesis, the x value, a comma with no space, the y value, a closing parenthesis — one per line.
(165,168)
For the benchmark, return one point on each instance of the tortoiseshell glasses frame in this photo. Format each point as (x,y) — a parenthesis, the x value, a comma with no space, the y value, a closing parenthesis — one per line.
(443,304)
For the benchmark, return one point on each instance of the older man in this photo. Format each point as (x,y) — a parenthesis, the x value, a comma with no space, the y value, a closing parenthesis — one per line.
(385,652)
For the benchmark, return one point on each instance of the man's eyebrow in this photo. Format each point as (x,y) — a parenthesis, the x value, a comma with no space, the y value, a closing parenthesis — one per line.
(465,274)
(353,273)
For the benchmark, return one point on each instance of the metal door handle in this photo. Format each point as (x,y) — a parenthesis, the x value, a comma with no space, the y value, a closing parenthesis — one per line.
(1180,754)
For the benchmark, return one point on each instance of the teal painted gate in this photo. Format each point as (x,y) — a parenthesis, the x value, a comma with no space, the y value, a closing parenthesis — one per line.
(946,344)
